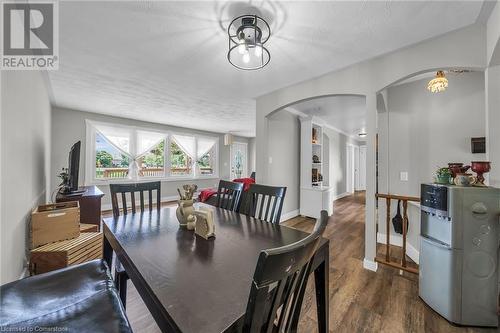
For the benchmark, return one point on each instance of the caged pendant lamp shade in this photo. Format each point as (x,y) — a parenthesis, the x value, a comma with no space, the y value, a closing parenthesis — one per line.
(247,35)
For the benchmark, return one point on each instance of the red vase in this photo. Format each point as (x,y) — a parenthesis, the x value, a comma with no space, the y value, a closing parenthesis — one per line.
(480,167)
(456,168)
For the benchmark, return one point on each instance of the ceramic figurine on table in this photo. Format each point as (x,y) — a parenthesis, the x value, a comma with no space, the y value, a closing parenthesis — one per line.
(185,210)
(205,223)
(188,192)
(191,222)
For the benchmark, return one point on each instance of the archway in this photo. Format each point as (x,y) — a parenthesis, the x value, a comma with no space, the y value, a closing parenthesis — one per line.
(420,131)
(342,117)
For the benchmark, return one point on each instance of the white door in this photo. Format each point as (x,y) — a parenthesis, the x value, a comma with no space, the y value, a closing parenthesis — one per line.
(239,158)
(356,168)
(362,168)
(349,168)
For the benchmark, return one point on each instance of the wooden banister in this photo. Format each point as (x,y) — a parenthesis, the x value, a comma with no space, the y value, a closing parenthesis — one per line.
(403,265)
(397,197)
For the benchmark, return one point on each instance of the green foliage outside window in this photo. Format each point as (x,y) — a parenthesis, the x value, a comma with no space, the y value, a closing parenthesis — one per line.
(204,161)
(155,157)
(178,159)
(103,159)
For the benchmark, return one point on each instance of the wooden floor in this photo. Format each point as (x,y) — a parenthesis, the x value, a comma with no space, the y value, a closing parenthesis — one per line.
(360,300)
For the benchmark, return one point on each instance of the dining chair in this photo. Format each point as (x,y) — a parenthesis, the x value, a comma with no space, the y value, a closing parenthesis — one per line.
(121,276)
(123,189)
(264,202)
(279,284)
(229,195)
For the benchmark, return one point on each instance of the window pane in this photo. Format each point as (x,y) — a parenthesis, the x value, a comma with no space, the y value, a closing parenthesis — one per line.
(109,161)
(206,164)
(152,164)
(180,162)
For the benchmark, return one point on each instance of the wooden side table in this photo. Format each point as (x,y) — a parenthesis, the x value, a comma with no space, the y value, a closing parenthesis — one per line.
(90,204)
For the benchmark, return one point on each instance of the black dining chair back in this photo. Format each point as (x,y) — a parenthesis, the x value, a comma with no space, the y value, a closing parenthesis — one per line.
(279,284)
(123,189)
(121,276)
(265,202)
(229,195)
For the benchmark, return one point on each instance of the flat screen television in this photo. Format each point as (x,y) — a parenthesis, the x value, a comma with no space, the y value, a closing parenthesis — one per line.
(73,167)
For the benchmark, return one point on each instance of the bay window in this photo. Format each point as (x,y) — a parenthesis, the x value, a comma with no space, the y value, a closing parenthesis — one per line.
(121,153)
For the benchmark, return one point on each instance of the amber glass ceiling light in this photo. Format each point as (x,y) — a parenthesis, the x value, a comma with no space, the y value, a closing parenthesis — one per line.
(247,36)
(438,84)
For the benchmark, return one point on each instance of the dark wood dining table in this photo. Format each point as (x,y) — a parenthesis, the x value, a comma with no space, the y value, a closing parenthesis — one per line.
(190,284)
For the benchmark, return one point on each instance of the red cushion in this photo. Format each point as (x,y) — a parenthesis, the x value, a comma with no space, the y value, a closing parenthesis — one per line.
(207,194)
(246,182)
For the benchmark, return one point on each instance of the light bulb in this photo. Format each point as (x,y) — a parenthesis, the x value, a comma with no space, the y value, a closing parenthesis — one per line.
(258,51)
(246,58)
(242,48)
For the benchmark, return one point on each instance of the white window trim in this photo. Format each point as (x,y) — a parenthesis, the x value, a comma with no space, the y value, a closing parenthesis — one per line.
(90,156)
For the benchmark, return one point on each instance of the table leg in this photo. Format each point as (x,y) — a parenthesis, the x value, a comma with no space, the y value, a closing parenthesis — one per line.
(107,252)
(321,285)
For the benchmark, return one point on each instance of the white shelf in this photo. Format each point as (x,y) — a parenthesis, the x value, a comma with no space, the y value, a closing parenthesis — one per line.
(314,196)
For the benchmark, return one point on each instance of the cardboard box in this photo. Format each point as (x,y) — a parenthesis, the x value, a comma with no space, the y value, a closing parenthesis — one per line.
(55,222)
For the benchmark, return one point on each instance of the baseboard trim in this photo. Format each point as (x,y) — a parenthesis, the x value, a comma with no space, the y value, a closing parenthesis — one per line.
(340,196)
(370,265)
(24,273)
(289,215)
(397,240)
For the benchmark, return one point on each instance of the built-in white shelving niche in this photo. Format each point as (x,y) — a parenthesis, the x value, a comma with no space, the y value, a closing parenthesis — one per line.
(315,194)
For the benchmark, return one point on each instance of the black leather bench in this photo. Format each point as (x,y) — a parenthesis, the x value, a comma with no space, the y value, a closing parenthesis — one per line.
(79,298)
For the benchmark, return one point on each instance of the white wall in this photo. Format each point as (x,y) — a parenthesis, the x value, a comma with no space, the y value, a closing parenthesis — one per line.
(68,126)
(492,96)
(25,162)
(284,150)
(493,122)
(422,131)
(493,37)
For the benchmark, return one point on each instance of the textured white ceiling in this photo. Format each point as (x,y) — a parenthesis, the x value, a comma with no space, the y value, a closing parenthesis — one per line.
(166,62)
(345,113)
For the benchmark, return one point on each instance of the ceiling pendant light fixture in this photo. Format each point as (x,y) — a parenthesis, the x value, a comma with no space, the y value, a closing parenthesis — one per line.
(438,84)
(247,36)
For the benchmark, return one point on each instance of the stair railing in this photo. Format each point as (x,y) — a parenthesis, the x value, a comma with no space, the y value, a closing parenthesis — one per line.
(403,265)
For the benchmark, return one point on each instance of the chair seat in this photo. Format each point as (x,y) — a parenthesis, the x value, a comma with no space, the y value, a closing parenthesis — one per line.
(81,298)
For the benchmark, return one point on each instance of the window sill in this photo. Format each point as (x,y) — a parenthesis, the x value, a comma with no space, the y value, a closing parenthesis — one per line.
(145,180)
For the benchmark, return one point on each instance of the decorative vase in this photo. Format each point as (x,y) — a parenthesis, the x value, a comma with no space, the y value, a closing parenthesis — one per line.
(456,168)
(480,168)
(445,180)
(185,212)
(464,179)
